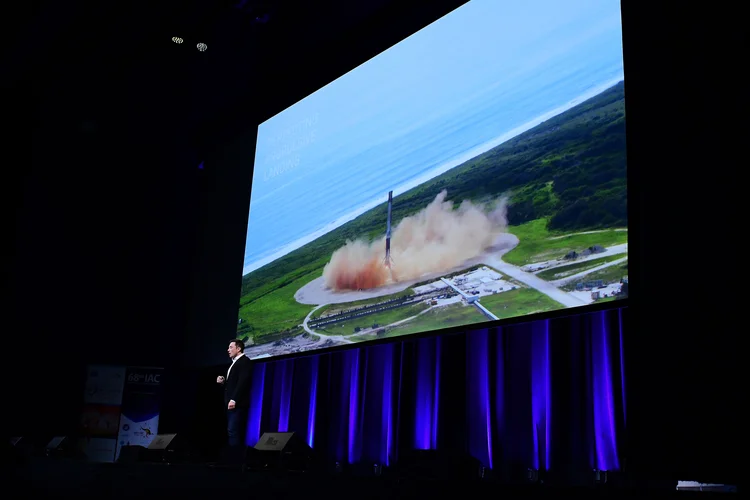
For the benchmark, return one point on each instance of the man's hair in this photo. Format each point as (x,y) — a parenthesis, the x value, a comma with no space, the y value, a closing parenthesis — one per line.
(240,344)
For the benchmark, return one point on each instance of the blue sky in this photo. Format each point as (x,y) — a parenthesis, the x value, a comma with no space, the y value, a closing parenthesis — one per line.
(491,49)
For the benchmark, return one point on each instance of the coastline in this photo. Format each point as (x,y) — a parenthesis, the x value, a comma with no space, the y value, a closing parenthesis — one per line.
(444,167)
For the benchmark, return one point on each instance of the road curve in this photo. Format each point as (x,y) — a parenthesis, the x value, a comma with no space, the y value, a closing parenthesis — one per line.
(507,244)
(573,277)
(535,282)
(307,319)
(323,336)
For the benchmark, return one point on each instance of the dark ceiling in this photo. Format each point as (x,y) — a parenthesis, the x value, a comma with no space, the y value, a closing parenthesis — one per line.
(100,64)
(111,213)
(113,227)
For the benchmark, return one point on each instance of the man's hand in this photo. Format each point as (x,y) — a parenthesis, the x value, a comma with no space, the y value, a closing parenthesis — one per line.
(219,379)
(231,405)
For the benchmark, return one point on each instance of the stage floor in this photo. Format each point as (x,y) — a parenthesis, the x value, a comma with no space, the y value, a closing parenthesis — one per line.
(47,477)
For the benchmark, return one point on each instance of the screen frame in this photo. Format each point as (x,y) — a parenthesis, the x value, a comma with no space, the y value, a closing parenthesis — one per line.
(363,56)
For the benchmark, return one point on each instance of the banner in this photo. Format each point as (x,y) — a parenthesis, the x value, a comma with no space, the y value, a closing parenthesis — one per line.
(104,385)
(141,402)
(100,421)
(100,417)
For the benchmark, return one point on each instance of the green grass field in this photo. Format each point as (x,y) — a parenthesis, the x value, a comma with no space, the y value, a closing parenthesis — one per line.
(265,287)
(519,302)
(560,272)
(442,317)
(607,299)
(536,243)
(610,274)
(381,319)
(276,311)
(365,338)
(336,308)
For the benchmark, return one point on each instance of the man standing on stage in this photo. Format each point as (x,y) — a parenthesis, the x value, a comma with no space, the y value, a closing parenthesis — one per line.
(237,393)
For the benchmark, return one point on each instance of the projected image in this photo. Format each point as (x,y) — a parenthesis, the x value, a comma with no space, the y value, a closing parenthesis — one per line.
(475,171)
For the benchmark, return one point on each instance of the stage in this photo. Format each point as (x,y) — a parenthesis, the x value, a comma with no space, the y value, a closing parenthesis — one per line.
(59,477)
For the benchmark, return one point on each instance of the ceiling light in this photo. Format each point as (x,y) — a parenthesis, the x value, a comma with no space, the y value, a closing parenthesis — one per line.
(177,39)
(202,47)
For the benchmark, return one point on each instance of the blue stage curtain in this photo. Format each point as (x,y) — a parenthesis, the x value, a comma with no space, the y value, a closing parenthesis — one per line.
(546,395)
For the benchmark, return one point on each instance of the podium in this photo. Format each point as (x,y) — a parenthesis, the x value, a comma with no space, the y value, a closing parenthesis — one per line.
(280,450)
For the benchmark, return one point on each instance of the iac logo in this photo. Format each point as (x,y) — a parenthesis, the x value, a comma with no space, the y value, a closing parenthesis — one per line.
(144,378)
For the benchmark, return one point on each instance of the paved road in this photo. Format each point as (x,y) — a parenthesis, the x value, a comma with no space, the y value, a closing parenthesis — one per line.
(568,279)
(323,336)
(307,319)
(346,339)
(586,232)
(613,250)
(508,243)
(535,282)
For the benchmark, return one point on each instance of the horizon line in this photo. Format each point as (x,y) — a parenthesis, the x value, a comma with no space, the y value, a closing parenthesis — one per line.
(441,169)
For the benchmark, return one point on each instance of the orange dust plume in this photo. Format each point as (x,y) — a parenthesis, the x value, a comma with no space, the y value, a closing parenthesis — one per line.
(439,237)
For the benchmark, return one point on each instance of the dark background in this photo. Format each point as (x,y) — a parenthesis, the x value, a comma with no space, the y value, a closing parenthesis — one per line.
(122,251)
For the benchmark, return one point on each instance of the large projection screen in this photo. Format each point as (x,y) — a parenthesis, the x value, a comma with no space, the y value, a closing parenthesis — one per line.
(475,171)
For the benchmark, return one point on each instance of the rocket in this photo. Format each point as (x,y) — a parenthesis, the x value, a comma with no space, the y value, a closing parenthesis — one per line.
(387,260)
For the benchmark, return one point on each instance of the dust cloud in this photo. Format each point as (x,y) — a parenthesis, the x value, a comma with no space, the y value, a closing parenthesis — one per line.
(439,237)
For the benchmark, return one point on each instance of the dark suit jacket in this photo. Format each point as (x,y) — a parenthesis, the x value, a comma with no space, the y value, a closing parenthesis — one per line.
(237,384)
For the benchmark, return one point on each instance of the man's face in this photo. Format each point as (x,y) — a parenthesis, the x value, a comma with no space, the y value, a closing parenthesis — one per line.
(233,350)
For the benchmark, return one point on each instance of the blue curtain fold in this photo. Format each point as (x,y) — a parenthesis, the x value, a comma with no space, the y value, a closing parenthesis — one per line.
(547,395)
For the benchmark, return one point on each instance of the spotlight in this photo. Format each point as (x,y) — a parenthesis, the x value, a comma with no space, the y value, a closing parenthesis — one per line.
(202,47)
(177,39)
